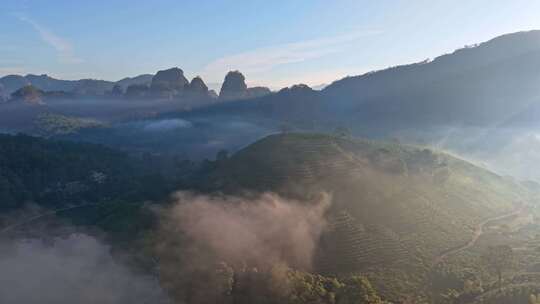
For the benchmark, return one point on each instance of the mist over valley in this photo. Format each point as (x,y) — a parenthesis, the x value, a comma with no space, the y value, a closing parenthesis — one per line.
(233,161)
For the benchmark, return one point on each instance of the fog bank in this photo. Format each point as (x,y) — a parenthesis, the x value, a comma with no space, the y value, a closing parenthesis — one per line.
(74,269)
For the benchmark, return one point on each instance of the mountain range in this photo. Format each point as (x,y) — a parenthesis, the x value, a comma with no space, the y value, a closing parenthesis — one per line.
(482,85)
(162,84)
(479,101)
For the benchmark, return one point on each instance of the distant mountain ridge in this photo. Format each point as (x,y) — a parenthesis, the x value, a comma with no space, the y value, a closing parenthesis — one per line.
(144,79)
(44,82)
(163,84)
(481,85)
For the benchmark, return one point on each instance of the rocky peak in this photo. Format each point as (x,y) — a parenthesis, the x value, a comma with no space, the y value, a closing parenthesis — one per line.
(173,79)
(197,85)
(234,86)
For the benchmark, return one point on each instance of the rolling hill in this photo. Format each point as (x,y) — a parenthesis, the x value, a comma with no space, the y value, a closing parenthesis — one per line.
(479,85)
(55,174)
(395,207)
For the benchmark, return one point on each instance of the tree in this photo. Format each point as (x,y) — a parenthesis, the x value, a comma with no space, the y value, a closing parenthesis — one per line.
(499,259)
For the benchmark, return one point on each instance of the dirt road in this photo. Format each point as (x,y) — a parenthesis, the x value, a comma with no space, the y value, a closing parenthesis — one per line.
(478,231)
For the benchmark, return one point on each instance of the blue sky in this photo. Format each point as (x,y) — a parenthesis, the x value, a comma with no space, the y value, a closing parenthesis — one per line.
(274,43)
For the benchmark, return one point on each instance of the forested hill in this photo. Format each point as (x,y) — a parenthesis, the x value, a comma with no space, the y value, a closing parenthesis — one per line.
(404,204)
(483,84)
(54,173)
(412,190)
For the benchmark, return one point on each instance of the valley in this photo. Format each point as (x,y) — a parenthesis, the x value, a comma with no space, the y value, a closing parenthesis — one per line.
(203,153)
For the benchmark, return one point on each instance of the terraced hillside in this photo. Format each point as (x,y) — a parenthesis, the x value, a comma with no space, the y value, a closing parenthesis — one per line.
(348,246)
(426,202)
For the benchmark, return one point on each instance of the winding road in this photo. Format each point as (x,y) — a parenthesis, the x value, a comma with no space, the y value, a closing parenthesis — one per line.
(478,231)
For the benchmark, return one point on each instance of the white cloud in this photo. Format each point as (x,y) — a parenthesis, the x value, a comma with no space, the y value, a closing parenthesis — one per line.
(264,59)
(63,47)
(75,268)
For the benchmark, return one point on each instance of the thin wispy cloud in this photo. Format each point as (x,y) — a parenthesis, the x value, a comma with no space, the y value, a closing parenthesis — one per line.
(267,58)
(63,47)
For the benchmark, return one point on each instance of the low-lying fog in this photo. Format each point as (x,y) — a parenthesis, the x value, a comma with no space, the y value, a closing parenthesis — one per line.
(513,151)
(165,126)
(74,269)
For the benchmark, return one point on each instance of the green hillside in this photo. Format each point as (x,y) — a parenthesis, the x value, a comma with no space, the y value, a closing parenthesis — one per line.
(395,208)
(56,174)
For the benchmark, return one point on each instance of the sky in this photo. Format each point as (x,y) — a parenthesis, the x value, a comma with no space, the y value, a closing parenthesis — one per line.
(273,43)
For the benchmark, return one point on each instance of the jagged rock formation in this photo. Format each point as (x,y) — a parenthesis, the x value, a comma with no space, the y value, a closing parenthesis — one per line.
(196,89)
(28,94)
(234,88)
(167,83)
(171,84)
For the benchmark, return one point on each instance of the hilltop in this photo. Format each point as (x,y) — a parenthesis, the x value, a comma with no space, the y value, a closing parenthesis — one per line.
(411,189)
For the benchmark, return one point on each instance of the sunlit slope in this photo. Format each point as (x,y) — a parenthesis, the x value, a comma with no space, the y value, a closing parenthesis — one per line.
(424,201)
